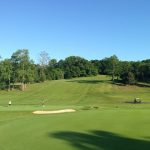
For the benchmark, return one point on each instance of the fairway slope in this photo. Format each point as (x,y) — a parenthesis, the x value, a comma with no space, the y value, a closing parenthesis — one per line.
(97,90)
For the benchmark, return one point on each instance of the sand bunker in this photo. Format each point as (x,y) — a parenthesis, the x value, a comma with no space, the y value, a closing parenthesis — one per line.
(54,112)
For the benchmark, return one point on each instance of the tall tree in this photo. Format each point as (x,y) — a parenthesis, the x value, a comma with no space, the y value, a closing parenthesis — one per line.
(43,62)
(44,58)
(126,73)
(21,66)
(6,72)
(110,66)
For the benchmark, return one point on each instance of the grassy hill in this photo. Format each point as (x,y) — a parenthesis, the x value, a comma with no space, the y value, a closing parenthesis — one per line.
(114,125)
(81,91)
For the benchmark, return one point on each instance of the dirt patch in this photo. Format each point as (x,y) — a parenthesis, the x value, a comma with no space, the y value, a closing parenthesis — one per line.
(39,112)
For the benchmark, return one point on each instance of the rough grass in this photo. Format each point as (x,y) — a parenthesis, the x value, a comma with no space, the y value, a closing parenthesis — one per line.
(102,121)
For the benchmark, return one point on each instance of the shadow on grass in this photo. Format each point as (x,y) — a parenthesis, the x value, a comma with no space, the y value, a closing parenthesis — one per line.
(120,83)
(115,82)
(143,85)
(91,81)
(101,140)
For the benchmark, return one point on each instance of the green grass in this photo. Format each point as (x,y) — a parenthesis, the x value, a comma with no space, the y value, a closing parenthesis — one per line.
(115,125)
(81,91)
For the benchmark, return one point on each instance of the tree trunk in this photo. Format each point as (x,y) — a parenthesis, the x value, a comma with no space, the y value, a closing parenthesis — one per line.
(25,86)
(113,77)
(9,85)
(22,86)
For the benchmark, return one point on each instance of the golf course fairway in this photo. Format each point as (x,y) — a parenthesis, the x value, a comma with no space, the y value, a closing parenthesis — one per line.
(105,117)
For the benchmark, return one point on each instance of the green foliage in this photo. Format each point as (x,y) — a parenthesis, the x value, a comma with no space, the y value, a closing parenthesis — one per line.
(42,75)
(128,78)
(21,69)
(3,85)
(144,72)
(22,66)
(5,73)
(5,69)
(75,66)
(97,65)
(109,66)
(56,74)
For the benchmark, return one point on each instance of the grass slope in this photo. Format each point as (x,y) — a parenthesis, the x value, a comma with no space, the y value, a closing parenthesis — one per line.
(114,125)
(81,91)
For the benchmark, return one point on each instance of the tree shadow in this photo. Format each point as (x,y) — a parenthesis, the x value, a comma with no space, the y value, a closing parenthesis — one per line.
(132,102)
(143,85)
(91,81)
(120,83)
(101,140)
(147,137)
(115,82)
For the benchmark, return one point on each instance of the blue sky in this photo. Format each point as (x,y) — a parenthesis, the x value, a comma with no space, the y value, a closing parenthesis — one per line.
(92,29)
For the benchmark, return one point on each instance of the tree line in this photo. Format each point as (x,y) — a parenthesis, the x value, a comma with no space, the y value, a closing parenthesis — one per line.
(20,70)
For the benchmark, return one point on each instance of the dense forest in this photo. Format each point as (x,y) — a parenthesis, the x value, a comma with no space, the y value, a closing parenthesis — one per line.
(21,70)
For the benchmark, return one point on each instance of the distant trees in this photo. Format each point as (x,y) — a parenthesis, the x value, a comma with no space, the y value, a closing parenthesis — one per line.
(44,58)
(71,67)
(43,63)
(54,72)
(111,66)
(128,72)
(5,73)
(144,71)
(97,64)
(128,78)
(136,71)
(21,69)
(108,66)
(18,69)
(75,66)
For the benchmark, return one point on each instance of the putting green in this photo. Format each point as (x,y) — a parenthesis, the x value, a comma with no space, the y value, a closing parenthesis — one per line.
(99,129)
